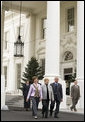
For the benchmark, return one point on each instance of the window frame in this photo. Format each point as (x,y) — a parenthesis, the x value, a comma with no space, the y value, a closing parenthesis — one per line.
(66,18)
(43,29)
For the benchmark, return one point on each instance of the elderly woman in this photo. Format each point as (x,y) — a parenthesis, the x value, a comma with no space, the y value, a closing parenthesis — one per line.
(47,94)
(35,93)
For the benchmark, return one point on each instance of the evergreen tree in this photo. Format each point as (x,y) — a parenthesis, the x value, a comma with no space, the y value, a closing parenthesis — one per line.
(32,69)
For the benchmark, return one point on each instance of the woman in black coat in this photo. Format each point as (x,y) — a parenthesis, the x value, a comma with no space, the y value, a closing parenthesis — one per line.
(25,93)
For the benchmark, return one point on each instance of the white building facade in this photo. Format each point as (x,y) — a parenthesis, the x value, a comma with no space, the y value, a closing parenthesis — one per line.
(53,32)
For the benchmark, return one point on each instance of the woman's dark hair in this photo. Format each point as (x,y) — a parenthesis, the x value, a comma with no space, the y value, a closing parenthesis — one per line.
(27,81)
(34,77)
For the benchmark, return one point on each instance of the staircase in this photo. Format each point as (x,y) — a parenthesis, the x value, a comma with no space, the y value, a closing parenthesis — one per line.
(15,102)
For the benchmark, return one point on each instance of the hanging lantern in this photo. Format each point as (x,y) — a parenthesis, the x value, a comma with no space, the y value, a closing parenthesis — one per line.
(19,45)
(19,48)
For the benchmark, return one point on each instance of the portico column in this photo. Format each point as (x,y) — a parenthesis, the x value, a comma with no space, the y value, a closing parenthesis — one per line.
(80,49)
(52,39)
(2,35)
(2,76)
(52,63)
(32,36)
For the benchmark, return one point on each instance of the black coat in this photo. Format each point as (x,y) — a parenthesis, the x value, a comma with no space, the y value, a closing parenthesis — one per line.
(59,91)
(26,90)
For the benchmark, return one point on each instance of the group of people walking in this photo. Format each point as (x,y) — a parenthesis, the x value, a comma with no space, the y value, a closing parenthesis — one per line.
(46,93)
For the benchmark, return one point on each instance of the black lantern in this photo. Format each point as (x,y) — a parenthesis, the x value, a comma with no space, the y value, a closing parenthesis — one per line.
(19,48)
(19,45)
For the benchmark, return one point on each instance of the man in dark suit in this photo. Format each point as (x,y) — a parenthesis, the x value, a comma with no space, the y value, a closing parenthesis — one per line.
(25,93)
(58,97)
(75,95)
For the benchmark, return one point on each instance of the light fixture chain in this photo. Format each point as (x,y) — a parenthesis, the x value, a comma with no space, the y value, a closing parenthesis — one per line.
(20,16)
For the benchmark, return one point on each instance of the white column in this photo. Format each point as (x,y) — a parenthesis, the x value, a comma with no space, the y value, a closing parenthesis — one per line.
(2,76)
(52,64)
(2,35)
(32,36)
(52,39)
(80,49)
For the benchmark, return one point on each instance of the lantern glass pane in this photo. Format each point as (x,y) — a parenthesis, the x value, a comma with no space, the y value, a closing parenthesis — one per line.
(23,49)
(18,49)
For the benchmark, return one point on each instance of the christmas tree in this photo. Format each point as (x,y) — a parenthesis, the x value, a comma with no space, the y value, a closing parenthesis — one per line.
(32,69)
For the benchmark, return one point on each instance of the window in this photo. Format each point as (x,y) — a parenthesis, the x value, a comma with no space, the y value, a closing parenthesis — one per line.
(6,39)
(44,28)
(68,70)
(43,65)
(67,73)
(5,74)
(70,19)
(68,56)
(18,75)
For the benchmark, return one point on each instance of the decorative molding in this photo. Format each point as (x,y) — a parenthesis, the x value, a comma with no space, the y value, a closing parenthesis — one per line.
(68,38)
(15,8)
(40,49)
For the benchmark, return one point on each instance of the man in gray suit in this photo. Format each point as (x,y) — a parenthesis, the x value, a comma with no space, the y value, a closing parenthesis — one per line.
(75,95)
(58,97)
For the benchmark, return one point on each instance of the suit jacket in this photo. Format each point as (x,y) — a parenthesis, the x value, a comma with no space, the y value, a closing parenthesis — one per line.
(26,90)
(75,92)
(59,91)
(44,92)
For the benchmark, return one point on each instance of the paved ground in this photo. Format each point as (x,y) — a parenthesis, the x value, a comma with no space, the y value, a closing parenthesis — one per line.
(16,102)
(26,116)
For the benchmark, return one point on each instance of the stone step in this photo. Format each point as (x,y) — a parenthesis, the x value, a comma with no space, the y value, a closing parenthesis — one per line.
(15,102)
(14,108)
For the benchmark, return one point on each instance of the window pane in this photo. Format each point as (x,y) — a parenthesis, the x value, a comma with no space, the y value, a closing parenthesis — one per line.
(43,65)
(44,28)
(68,70)
(68,55)
(70,19)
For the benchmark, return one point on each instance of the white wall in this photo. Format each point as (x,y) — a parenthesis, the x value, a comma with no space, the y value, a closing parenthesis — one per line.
(39,41)
(68,40)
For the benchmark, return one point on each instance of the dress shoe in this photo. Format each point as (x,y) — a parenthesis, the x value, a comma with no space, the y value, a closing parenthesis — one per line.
(56,116)
(71,109)
(26,109)
(42,115)
(50,113)
(75,109)
(46,116)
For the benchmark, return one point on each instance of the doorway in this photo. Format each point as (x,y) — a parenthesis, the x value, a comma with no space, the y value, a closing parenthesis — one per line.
(68,72)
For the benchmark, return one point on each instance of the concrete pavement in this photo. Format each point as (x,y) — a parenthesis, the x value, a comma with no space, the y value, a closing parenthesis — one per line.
(27,116)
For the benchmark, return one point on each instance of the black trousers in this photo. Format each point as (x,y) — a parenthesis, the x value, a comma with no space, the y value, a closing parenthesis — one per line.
(45,107)
(57,106)
(26,104)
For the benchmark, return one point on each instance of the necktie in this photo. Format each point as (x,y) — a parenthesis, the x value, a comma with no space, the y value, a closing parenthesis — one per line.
(56,88)
(47,93)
